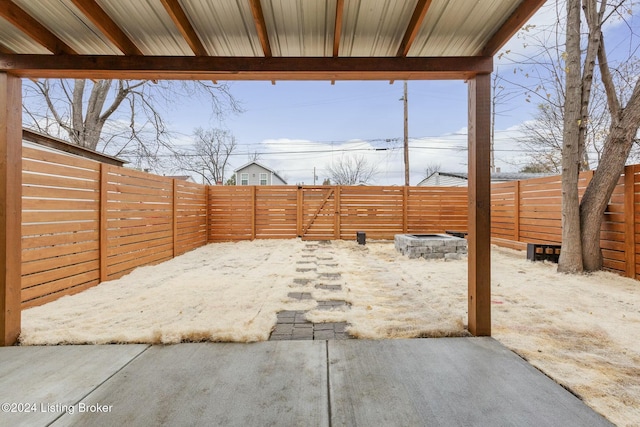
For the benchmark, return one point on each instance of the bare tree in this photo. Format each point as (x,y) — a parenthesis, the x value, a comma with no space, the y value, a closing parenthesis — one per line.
(209,156)
(623,130)
(119,117)
(583,121)
(543,63)
(582,221)
(432,168)
(543,136)
(571,252)
(351,170)
(501,94)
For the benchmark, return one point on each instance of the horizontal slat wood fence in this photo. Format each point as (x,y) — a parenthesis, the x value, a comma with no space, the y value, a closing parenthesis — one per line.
(84,222)
(60,225)
(531,212)
(333,212)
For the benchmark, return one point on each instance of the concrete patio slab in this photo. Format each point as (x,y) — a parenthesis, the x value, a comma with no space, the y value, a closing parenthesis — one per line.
(40,383)
(445,382)
(280,383)
(419,382)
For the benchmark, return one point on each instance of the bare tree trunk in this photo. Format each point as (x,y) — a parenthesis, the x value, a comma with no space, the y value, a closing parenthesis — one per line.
(624,127)
(89,128)
(571,253)
(625,122)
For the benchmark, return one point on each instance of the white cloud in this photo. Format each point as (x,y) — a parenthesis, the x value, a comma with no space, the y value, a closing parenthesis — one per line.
(295,159)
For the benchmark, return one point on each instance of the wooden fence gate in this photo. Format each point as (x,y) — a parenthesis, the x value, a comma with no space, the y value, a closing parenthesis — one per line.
(318,213)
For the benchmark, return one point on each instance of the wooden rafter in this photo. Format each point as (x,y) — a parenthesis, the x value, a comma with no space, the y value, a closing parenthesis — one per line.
(107,26)
(183,24)
(261,27)
(244,68)
(511,26)
(414,26)
(32,28)
(337,31)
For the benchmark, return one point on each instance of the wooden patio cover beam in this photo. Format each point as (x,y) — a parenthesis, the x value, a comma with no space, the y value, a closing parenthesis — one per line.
(414,25)
(28,25)
(511,26)
(261,27)
(183,24)
(107,26)
(337,29)
(244,68)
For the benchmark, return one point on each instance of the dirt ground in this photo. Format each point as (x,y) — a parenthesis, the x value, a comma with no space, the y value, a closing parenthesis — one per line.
(580,330)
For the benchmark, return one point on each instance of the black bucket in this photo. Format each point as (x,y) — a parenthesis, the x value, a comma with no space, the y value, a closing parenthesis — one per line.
(361,237)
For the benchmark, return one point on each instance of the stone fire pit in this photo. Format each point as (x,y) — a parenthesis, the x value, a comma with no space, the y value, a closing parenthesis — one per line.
(431,246)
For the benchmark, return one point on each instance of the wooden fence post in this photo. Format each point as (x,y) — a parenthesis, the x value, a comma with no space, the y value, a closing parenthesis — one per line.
(103,221)
(253,212)
(337,223)
(174,224)
(516,211)
(299,202)
(207,210)
(629,221)
(405,209)
(588,177)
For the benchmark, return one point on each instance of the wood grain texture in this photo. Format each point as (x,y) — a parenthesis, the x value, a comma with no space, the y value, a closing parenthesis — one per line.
(10,207)
(245,68)
(479,237)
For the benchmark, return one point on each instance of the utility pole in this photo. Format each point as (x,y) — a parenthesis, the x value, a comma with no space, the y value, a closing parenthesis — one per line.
(406,135)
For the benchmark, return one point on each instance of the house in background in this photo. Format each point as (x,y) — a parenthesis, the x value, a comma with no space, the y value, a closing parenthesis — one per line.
(461,179)
(256,174)
(187,178)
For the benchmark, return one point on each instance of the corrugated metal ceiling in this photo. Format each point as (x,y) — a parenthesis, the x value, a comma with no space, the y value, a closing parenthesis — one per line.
(63,19)
(298,28)
(147,23)
(16,41)
(459,27)
(294,27)
(225,27)
(256,39)
(374,28)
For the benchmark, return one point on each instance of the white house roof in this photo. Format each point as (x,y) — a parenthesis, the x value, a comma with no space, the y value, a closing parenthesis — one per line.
(495,176)
(257,39)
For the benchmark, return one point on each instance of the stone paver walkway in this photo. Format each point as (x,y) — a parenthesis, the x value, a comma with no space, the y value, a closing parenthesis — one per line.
(292,324)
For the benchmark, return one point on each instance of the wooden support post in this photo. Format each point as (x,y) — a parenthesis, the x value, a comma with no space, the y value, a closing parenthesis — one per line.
(479,237)
(174,224)
(103,223)
(337,223)
(516,211)
(10,208)
(629,221)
